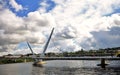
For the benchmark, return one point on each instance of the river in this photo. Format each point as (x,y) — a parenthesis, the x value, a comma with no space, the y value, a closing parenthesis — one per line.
(61,67)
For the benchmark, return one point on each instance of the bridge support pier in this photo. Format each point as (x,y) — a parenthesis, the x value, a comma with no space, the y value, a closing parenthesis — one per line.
(103,65)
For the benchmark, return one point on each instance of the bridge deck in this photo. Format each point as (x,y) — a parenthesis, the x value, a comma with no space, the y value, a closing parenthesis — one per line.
(78,58)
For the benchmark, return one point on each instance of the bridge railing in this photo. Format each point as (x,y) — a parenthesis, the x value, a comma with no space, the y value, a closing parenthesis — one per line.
(78,58)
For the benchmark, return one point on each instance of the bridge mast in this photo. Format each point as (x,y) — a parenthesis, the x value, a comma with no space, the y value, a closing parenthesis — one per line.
(46,45)
(31,50)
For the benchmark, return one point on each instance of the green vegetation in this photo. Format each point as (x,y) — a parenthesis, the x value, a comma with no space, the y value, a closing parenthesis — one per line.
(14,60)
(100,52)
(28,57)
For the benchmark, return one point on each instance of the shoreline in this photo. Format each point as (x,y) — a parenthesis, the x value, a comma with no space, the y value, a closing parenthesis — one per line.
(14,60)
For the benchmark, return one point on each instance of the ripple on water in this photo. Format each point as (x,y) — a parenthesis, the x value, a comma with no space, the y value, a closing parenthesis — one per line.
(60,68)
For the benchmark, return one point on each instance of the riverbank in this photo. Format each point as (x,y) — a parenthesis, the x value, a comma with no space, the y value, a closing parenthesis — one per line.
(17,60)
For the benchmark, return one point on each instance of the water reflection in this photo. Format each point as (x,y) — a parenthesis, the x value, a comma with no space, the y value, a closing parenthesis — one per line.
(65,67)
(54,71)
(60,67)
(16,69)
(72,71)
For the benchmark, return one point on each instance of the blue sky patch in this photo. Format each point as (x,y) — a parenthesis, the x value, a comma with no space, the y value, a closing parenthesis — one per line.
(30,6)
(116,10)
(51,5)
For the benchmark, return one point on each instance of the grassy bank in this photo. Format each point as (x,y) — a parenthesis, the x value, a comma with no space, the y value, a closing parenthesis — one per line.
(16,60)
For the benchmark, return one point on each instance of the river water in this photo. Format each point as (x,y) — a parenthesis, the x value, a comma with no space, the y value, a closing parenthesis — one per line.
(61,67)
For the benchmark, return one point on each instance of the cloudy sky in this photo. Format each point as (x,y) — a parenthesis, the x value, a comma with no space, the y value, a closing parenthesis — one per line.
(79,24)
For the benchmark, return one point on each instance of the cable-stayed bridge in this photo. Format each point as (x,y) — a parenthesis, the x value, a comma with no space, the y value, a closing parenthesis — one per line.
(39,60)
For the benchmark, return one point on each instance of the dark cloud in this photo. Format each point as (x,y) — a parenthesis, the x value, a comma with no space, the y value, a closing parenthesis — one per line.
(117,22)
(67,32)
(103,39)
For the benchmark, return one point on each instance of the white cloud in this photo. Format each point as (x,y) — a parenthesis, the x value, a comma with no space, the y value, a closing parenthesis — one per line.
(15,5)
(82,22)
(87,16)
(14,29)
